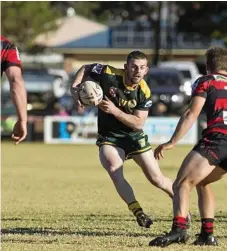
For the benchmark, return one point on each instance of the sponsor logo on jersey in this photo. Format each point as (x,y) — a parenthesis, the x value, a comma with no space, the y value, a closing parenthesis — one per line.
(127,103)
(148,104)
(97,68)
(126,91)
(113,91)
(132,103)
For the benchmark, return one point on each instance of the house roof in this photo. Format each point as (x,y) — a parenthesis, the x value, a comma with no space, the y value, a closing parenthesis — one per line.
(70,29)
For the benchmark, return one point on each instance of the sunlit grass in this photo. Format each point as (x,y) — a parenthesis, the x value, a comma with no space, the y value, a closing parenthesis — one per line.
(60,198)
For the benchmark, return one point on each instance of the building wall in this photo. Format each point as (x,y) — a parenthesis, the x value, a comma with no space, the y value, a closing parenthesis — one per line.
(74,58)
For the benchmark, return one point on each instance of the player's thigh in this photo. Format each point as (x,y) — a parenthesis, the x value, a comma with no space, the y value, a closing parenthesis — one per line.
(111,157)
(194,169)
(148,163)
(214,176)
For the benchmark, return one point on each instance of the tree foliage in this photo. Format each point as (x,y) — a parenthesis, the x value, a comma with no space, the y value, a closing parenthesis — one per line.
(206,18)
(22,21)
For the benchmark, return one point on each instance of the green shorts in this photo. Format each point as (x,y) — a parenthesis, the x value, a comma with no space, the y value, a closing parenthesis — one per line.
(132,144)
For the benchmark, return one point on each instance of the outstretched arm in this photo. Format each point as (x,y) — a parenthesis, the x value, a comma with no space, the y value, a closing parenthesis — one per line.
(19,98)
(185,123)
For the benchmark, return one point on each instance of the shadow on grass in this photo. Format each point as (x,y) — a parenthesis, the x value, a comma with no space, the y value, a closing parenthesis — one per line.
(96,217)
(88,232)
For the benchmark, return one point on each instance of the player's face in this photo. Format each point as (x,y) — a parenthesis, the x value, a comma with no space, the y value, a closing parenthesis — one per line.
(136,69)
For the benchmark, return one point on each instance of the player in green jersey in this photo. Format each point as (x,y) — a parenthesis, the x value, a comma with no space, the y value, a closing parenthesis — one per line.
(121,117)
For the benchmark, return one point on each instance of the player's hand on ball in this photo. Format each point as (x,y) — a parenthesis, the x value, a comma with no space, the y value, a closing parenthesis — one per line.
(75,93)
(158,152)
(107,106)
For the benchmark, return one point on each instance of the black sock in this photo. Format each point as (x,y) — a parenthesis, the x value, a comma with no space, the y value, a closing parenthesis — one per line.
(207,226)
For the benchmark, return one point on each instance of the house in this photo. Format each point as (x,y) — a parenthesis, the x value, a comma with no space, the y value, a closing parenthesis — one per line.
(83,41)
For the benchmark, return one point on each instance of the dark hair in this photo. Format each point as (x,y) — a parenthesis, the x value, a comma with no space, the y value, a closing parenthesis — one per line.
(216,59)
(136,55)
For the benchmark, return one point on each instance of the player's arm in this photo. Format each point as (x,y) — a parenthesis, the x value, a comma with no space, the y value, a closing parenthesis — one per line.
(135,120)
(17,91)
(188,118)
(81,74)
(186,121)
(86,72)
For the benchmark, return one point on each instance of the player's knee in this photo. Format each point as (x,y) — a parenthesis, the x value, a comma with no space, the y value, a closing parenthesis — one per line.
(184,183)
(115,173)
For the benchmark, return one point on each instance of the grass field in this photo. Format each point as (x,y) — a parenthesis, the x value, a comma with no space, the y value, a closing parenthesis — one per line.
(58,197)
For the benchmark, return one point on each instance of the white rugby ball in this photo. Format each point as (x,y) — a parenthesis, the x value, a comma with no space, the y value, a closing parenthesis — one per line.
(90,94)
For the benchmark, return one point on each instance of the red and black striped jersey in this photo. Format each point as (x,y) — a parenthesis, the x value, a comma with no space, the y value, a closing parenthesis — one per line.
(214,89)
(9,55)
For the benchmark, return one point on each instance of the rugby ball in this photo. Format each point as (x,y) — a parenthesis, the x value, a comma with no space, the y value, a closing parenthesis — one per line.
(90,93)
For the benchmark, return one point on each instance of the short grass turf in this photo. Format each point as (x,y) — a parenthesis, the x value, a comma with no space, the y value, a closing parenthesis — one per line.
(58,197)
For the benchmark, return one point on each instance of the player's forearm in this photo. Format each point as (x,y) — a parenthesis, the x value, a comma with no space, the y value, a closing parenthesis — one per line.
(80,75)
(129,120)
(19,98)
(185,123)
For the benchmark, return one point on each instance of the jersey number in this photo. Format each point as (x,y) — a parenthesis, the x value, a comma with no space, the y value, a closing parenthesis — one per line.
(225,117)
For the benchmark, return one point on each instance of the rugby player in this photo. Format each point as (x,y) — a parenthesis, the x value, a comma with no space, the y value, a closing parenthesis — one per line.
(11,65)
(121,116)
(207,162)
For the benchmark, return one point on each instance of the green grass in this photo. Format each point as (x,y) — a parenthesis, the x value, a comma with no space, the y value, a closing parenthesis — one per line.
(58,197)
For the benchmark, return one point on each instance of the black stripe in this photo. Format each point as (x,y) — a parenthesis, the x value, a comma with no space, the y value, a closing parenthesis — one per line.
(222,94)
(137,210)
(200,94)
(205,78)
(7,45)
(219,125)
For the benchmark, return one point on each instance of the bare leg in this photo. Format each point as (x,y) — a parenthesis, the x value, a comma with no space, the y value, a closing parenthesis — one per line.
(206,199)
(194,169)
(112,159)
(152,171)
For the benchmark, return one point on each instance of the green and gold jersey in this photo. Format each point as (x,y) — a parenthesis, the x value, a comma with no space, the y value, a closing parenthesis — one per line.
(124,97)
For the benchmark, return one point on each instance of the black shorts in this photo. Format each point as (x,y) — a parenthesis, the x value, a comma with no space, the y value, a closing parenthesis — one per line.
(214,148)
(132,144)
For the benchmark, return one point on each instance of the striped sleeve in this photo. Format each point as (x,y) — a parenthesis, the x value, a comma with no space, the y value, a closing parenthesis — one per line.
(10,55)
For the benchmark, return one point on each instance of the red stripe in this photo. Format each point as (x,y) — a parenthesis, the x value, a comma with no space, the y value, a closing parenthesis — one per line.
(221,103)
(208,224)
(215,121)
(180,219)
(221,130)
(10,56)
(4,39)
(218,84)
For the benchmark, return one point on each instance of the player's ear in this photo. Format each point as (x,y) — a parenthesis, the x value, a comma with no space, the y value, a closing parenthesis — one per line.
(125,66)
(147,69)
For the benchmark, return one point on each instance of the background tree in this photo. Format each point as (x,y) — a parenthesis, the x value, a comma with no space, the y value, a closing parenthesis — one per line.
(23,21)
(82,8)
(206,18)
